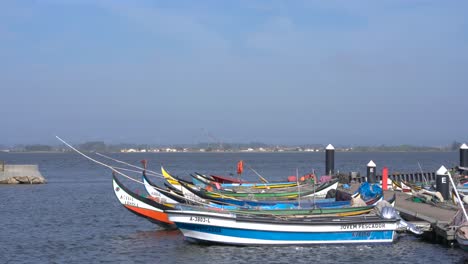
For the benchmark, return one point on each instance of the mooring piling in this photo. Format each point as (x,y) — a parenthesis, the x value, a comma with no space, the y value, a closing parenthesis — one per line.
(442,184)
(464,157)
(371,178)
(329,160)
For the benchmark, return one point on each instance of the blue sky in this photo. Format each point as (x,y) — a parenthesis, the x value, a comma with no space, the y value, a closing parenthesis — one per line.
(279,72)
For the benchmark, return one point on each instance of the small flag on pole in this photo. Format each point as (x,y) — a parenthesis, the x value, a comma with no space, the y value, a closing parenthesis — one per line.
(240,167)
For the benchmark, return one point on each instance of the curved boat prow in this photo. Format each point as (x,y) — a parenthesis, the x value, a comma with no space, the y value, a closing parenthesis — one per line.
(170,179)
(142,206)
(154,192)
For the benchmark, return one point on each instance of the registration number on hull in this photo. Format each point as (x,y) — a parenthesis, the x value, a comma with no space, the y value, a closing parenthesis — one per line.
(200,219)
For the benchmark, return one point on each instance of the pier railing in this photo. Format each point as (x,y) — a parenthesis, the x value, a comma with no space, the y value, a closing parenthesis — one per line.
(408,177)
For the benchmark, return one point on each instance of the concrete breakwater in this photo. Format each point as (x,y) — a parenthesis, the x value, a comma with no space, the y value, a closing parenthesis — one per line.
(20,174)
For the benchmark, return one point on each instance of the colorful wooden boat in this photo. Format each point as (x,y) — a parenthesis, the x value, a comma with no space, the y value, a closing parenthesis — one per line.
(226,179)
(157,192)
(320,191)
(291,211)
(141,206)
(170,179)
(239,229)
(154,210)
(293,193)
(304,204)
(202,181)
(232,180)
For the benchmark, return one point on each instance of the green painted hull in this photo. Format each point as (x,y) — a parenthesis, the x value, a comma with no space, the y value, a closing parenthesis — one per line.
(266,195)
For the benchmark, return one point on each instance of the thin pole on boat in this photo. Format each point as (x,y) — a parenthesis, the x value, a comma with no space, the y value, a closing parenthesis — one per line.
(258,174)
(313,188)
(458,195)
(298,188)
(422,173)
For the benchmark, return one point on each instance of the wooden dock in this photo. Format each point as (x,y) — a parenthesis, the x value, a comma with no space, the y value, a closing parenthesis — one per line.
(433,219)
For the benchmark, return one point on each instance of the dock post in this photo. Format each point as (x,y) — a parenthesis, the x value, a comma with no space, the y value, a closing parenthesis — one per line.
(384,178)
(464,156)
(371,172)
(329,160)
(442,184)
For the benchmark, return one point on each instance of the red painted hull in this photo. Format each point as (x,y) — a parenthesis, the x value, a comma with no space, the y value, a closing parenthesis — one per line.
(159,218)
(226,179)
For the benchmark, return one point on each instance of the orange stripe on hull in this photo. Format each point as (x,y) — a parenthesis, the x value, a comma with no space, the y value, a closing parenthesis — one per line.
(158,216)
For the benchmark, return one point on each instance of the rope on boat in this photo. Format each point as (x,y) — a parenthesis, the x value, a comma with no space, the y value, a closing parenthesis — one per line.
(136,171)
(96,161)
(115,170)
(152,173)
(156,174)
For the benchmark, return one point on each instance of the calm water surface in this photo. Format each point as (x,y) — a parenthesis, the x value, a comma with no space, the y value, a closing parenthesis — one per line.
(76,218)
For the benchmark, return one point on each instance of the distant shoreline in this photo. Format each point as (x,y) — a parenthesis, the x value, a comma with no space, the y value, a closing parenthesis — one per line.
(224,152)
(252,147)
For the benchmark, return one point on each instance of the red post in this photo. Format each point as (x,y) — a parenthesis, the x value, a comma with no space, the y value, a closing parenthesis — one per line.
(384,178)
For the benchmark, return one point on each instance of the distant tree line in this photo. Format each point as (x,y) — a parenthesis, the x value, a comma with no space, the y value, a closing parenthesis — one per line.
(38,147)
(399,148)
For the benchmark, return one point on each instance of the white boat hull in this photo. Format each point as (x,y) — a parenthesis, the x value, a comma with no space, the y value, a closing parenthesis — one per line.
(228,228)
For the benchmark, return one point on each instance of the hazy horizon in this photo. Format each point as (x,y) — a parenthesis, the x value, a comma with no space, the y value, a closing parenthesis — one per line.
(277,72)
(216,144)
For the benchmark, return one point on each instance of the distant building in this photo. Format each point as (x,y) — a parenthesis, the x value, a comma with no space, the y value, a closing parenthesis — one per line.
(128,150)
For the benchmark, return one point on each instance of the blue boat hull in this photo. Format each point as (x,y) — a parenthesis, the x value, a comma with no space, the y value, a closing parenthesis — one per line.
(240,229)
(248,237)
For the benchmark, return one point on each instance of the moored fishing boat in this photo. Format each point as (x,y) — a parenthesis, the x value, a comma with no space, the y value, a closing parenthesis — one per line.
(286,211)
(227,179)
(369,197)
(371,193)
(316,191)
(203,181)
(141,206)
(156,192)
(232,180)
(241,229)
(284,194)
(155,211)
